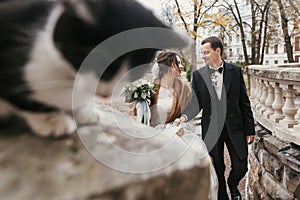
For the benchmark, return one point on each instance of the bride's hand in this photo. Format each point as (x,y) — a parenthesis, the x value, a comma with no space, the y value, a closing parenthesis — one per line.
(180,132)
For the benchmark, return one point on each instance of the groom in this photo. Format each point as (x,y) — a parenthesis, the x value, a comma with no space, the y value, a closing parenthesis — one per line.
(219,91)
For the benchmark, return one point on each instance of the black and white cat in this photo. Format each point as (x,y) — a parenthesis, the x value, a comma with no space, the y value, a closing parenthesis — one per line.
(44,42)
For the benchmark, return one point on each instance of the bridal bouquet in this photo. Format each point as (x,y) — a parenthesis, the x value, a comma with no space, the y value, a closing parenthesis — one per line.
(140,91)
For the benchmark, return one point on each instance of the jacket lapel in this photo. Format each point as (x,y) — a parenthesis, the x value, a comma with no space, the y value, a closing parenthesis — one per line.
(227,78)
(206,77)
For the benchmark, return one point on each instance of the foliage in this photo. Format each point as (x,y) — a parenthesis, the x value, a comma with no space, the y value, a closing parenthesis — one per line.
(241,64)
(189,73)
(140,90)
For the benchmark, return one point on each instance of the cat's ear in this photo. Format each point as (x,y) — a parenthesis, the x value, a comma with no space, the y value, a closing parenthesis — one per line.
(80,9)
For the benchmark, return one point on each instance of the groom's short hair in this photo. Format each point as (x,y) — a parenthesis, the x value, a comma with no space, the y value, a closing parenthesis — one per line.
(215,43)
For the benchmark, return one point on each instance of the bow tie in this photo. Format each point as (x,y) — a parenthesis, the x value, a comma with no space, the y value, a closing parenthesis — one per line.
(220,70)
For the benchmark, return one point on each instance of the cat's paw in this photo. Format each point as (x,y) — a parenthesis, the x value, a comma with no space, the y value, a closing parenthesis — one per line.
(55,124)
(87,115)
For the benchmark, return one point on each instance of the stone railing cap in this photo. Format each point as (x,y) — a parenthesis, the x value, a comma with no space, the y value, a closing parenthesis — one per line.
(288,72)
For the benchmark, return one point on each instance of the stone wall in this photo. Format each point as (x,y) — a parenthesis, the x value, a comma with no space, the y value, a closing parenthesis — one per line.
(274,158)
(274,168)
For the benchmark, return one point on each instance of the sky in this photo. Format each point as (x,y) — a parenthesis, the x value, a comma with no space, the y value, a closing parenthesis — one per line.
(156,5)
(152,4)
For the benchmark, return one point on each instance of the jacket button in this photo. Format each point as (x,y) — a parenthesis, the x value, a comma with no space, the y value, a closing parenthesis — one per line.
(231,115)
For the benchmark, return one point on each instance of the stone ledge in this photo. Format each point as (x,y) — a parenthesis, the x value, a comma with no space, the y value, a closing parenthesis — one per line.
(62,169)
(284,134)
(291,158)
(272,165)
(289,72)
(274,189)
(292,181)
(255,191)
(274,145)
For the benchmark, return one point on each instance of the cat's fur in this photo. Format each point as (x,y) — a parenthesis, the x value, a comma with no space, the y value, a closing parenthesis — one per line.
(43,44)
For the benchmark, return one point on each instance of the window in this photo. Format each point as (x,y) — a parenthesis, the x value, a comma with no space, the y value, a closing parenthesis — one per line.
(284,48)
(267,49)
(237,38)
(275,49)
(230,39)
(297,43)
(230,52)
(275,61)
(285,61)
(267,62)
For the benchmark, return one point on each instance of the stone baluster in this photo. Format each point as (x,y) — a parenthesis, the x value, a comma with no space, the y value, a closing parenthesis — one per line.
(297,103)
(252,88)
(277,104)
(253,91)
(258,96)
(253,97)
(297,117)
(289,109)
(269,101)
(263,97)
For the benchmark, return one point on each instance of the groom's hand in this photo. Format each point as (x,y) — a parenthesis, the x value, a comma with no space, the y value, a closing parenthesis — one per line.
(179,121)
(250,139)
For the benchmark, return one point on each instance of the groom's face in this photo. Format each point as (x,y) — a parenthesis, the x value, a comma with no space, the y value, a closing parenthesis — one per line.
(209,55)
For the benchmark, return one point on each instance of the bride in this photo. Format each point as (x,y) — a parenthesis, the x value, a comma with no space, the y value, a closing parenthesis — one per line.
(172,96)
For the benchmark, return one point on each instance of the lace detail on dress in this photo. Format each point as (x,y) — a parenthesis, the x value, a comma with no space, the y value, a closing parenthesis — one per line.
(164,104)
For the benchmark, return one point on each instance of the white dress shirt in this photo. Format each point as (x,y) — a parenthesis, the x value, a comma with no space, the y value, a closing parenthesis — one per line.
(217,80)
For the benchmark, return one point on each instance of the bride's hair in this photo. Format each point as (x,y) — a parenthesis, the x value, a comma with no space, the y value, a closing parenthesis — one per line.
(165,60)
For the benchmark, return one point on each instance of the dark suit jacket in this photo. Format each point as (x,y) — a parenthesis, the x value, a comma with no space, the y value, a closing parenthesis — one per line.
(232,113)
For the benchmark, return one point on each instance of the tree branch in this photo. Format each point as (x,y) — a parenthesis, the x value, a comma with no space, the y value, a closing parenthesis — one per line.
(181,17)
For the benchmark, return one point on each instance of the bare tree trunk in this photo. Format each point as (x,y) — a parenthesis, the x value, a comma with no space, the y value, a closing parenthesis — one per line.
(287,37)
(264,12)
(258,47)
(197,16)
(242,34)
(265,34)
(253,30)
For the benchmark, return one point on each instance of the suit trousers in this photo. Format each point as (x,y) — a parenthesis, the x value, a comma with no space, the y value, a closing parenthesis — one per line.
(238,166)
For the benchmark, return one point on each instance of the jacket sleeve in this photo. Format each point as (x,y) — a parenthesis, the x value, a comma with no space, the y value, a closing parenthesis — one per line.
(195,106)
(245,107)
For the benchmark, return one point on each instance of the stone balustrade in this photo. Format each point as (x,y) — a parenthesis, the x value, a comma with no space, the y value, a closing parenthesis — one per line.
(275,97)
(274,171)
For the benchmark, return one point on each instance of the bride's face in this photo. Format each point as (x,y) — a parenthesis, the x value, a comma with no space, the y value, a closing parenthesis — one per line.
(175,67)
(179,63)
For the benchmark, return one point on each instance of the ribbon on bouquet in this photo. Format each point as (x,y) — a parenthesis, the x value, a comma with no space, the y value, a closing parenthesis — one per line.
(143,113)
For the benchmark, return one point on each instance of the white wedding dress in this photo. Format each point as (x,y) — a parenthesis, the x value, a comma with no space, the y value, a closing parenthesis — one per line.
(164,103)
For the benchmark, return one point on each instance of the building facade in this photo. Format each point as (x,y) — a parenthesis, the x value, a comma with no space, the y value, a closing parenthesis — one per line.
(275,52)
